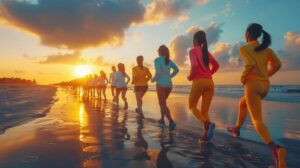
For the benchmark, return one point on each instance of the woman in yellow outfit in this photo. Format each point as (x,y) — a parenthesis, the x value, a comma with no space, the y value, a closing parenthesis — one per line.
(140,77)
(260,63)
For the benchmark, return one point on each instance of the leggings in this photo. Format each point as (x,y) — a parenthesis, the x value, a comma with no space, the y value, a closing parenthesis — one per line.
(255,91)
(163,94)
(204,88)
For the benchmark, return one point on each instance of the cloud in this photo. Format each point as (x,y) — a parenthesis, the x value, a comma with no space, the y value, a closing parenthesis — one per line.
(74,24)
(290,55)
(228,55)
(69,59)
(99,61)
(180,44)
(161,10)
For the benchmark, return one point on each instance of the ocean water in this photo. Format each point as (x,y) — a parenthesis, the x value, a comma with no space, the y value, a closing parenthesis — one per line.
(279,93)
(22,103)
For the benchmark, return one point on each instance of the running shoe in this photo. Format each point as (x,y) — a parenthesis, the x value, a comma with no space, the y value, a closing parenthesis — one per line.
(162,123)
(279,154)
(235,132)
(172,126)
(210,132)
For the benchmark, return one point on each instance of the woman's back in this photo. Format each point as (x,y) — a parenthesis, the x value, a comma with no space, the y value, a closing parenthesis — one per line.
(256,62)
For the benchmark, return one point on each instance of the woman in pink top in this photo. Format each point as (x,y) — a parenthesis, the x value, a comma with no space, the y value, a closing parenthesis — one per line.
(203,66)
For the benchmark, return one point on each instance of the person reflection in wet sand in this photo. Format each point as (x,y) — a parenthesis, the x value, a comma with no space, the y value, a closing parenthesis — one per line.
(141,142)
(162,159)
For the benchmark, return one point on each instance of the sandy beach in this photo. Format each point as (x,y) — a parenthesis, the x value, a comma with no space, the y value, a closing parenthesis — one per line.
(91,133)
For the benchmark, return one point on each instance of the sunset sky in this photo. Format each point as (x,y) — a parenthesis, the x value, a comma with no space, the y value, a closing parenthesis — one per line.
(47,39)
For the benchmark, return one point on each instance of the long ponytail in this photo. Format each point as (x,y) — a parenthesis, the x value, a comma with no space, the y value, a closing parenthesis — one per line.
(266,41)
(255,30)
(200,39)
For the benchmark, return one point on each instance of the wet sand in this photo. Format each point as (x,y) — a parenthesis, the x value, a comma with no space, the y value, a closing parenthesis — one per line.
(91,133)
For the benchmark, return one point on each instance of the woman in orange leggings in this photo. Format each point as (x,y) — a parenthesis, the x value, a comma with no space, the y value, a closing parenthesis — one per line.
(257,57)
(203,85)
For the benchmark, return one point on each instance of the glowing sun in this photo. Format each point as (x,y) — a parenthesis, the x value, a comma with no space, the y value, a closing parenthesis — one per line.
(82,70)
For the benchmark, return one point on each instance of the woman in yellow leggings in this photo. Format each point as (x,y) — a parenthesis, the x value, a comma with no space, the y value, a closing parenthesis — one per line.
(255,78)
(203,85)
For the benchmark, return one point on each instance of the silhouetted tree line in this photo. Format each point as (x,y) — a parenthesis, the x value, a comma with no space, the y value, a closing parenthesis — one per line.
(17,81)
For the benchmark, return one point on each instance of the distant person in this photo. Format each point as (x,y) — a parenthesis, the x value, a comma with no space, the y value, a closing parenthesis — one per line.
(260,63)
(203,66)
(121,84)
(163,78)
(140,77)
(93,85)
(101,85)
(112,80)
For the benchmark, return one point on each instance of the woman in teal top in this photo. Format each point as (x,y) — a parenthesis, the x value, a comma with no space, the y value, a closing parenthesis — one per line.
(121,84)
(163,78)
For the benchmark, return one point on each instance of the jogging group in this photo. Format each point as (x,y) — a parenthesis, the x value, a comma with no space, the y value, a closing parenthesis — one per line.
(260,63)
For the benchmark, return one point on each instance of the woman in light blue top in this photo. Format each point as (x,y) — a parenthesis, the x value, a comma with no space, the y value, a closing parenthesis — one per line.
(121,84)
(163,78)
(113,82)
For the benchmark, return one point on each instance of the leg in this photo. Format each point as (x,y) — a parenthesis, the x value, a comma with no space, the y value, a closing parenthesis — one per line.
(161,99)
(194,97)
(138,96)
(113,92)
(104,92)
(118,91)
(242,113)
(253,99)
(207,96)
(167,110)
(124,90)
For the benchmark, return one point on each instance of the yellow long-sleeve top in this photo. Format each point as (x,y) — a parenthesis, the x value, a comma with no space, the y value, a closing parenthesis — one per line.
(140,76)
(256,63)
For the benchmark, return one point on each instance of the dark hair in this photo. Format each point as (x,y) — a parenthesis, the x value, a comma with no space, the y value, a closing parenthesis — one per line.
(255,30)
(121,68)
(164,51)
(113,68)
(102,74)
(140,57)
(200,39)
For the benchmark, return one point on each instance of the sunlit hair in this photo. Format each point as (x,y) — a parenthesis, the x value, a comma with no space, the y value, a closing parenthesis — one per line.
(254,31)
(113,68)
(102,74)
(164,51)
(121,68)
(200,39)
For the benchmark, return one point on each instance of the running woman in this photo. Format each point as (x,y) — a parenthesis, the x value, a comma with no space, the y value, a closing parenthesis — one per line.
(102,82)
(260,63)
(112,80)
(121,84)
(163,78)
(203,66)
(140,77)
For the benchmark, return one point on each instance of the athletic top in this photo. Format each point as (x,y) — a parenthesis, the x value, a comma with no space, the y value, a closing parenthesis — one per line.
(101,81)
(162,72)
(140,76)
(256,62)
(112,79)
(198,68)
(120,79)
